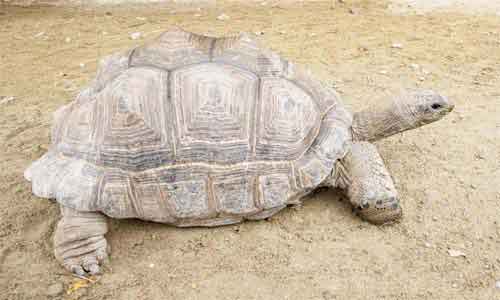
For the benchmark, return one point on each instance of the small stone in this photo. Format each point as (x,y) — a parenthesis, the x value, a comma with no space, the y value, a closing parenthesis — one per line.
(327,295)
(353,11)
(414,67)
(427,245)
(39,34)
(397,46)
(67,40)
(197,15)
(104,32)
(384,72)
(421,78)
(140,18)
(55,290)
(479,155)
(454,285)
(135,35)
(259,32)
(434,218)
(6,99)
(151,265)
(223,17)
(82,65)
(456,253)
(108,13)
(473,186)
(497,284)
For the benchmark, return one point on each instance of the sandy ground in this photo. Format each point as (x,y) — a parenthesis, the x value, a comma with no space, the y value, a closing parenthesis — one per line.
(464,6)
(448,173)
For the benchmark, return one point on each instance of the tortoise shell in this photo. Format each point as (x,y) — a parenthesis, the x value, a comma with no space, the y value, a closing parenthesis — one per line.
(193,130)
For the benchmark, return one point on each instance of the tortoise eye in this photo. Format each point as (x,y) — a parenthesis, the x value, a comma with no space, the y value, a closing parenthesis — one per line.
(436,106)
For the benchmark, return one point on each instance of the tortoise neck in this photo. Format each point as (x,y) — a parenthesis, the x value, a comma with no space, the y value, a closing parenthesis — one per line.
(376,123)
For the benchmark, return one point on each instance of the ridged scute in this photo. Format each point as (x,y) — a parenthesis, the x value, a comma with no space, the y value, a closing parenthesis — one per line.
(193,131)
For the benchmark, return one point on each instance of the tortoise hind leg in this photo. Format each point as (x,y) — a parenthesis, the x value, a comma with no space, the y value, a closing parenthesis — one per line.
(79,243)
(369,186)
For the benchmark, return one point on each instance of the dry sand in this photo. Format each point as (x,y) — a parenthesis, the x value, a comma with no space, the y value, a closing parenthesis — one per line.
(464,6)
(448,173)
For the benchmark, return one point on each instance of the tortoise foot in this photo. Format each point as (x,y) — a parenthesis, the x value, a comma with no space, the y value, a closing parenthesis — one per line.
(79,241)
(369,185)
(380,211)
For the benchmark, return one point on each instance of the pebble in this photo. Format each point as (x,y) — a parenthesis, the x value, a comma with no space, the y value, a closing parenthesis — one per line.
(39,34)
(455,253)
(151,265)
(383,72)
(67,40)
(259,32)
(414,66)
(427,245)
(6,99)
(454,285)
(223,17)
(421,78)
(55,289)
(397,46)
(479,155)
(497,284)
(82,65)
(135,35)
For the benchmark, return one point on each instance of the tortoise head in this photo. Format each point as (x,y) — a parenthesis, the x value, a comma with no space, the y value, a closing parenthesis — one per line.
(407,111)
(424,107)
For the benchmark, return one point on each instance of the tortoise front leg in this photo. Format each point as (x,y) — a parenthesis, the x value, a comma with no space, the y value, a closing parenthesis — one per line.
(79,243)
(368,184)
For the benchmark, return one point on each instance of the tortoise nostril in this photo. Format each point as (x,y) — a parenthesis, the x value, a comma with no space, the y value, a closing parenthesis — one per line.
(436,106)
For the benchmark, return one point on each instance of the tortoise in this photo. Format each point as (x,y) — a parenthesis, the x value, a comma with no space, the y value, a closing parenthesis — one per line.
(193,130)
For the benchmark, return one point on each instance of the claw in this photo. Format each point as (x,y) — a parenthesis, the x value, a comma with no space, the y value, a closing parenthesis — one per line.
(101,254)
(77,269)
(89,261)
(94,269)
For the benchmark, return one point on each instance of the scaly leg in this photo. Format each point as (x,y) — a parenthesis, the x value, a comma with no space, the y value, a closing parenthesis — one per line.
(369,186)
(79,243)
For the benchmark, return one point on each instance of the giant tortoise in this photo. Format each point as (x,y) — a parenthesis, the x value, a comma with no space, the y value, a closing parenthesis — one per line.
(192,130)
